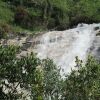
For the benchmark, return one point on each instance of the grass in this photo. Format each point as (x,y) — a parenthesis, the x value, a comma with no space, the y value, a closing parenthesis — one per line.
(6,14)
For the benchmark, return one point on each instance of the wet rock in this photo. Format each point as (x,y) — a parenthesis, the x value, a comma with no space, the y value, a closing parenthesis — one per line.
(98,34)
(98,49)
(22,34)
(92,48)
(97,28)
(52,40)
(37,42)
(26,46)
(59,38)
(30,37)
(80,25)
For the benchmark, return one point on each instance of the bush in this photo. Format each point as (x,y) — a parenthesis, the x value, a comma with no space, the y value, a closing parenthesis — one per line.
(51,14)
(42,80)
(83,84)
(26,19)
(15,73)
(36,78)
(22,17)
(4,29)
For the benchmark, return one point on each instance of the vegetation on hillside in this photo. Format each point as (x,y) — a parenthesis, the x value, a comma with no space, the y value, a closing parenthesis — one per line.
(29,77)
(49,14)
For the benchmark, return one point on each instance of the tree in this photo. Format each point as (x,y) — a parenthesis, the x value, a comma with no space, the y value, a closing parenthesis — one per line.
(16,75)
(51,80)
(84,83)
(27,77)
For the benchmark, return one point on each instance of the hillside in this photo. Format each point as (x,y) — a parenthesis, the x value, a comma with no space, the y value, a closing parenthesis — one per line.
(41,15)
(49,49)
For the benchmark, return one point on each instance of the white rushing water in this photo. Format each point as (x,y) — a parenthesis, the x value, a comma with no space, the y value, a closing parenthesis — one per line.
(64,46)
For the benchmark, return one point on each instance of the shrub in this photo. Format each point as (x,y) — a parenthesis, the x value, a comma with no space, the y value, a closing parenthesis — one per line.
(83,84)
(4,29)
(22,17)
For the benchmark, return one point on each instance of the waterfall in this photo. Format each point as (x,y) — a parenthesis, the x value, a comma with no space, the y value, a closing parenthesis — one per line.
(64,46)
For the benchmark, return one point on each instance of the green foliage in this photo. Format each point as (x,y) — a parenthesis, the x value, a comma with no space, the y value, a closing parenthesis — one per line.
(22,17)
(8,71)
(49,14)
(15,72)
(6,15)
(83,84)
(51,80)
(86,11)
(41,80)
(47,81)
(4,29)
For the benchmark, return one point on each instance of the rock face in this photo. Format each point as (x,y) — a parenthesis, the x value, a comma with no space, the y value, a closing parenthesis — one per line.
(61,46)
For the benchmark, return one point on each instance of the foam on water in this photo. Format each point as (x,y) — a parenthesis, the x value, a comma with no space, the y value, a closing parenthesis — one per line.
(64,46)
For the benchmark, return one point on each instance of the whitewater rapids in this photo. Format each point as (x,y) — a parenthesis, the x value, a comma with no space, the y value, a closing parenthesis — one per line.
(61,46)
(64,46)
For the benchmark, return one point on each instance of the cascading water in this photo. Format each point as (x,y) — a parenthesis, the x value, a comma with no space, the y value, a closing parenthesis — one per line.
(64,46)
(61,46)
